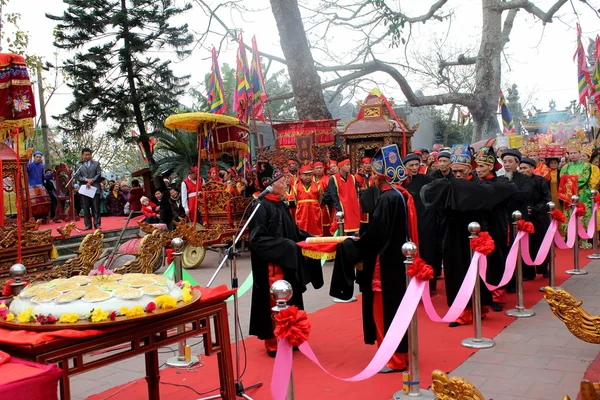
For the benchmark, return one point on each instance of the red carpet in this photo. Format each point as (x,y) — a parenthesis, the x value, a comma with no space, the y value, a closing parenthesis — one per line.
(592,374)
(337,340)
(108,224)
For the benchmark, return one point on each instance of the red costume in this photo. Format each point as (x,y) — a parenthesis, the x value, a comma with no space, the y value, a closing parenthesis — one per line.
(343,192)
(192,199)
(364,181)
(308,210)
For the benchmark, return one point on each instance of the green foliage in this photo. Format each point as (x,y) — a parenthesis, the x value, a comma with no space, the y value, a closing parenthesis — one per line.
(114,77)
(456,134)
(16,39)
(178,150)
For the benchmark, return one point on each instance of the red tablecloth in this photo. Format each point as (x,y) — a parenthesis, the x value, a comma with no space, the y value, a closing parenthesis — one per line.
(24,380)
(25,337)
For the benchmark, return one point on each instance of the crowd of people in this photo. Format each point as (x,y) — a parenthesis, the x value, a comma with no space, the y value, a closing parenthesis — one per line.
(427,197)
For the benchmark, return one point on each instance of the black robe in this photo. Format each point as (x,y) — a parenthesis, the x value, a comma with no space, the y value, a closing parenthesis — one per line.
(523,197)
(273,238)
(541,221)
(384,238)
(497,224)
(428,247)
(462,202)
(437,174)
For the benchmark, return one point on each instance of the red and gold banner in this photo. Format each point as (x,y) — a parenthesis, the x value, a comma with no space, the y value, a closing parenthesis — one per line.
(567,188)
(322,132)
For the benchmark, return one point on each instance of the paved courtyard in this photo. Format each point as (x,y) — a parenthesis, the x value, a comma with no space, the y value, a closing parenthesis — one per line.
(534,358)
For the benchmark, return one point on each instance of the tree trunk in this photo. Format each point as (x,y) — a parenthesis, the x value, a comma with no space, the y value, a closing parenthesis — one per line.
(137,110)
(447,129)
(487,74)
(306,83)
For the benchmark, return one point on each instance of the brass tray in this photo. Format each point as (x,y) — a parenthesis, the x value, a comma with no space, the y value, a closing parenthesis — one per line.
(86,324)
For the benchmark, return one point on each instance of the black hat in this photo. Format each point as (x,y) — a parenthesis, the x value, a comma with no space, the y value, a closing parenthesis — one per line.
(526,160)
(513,152)
(445,154)
(411,157)
(175,188)
(267,174)
(425,150)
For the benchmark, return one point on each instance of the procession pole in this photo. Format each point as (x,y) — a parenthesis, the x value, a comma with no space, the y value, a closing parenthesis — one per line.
(477,341)
(281,291)
(412,384)
(551,261)
(595,256)
(576,270)
(519,311)
(182,360)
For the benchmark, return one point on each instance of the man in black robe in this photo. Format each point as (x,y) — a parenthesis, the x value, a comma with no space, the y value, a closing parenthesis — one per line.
(497,223)
(428,247)
(275,255)
(463,201)
(521,200)
(382,280)
(443,170)
(538,215)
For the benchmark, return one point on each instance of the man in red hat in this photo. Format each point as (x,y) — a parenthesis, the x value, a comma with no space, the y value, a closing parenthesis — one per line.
(368,193)
(333,167)
(213,175)
(342,188)
(322,179)
(189,188)
(308,195)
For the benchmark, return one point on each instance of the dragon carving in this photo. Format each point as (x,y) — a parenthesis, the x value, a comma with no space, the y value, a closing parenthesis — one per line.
(88,253)
(446,388)
(148,255)
(582,325)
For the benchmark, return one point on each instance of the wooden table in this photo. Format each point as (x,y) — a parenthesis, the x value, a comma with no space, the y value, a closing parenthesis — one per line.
(141,339)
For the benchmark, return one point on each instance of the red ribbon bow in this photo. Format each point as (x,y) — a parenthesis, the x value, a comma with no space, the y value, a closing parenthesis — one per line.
(420,269)
(580,210)
(483,244)
(558,215)
(525,226)
(597,198)
(293,325)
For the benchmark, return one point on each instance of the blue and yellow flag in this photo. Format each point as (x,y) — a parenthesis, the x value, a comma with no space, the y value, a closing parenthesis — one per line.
(584,82)
(596,77)
(507,119)
(242,89)
(259,90)
(216,97)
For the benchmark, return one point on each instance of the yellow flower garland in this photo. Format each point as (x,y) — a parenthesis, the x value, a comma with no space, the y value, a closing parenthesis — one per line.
(68,318)
(135,311)
(186,294)
(10,317)
(25,316)
(123,311)
(97,315)
(165,302)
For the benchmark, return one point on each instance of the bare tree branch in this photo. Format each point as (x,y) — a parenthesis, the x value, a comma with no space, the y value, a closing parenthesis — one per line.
(508,25)
(466,99)
(531,8)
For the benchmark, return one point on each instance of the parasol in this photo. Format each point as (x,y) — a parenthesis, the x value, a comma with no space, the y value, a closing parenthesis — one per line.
(220,133)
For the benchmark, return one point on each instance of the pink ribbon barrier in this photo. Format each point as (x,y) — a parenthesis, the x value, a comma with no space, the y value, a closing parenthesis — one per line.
(544,247)
(509,266)
(589,234)
(571,235)
(283,361)
(462,298)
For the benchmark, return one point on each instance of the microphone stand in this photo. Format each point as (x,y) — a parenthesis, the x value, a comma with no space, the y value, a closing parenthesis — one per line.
(231,254)
(74,175)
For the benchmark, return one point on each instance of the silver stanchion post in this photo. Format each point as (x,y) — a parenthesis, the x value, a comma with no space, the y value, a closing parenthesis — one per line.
(477,341)
(412,387)
(281,292)
(594,256)
(17,272)
(519,311)
(576,270)
(551,261)
(340,219)
(181,360)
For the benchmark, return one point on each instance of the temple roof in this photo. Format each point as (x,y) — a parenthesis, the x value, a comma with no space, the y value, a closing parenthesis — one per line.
(552,115)
(375,118)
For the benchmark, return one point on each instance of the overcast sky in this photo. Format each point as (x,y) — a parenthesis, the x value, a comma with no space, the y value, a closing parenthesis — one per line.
(539,59)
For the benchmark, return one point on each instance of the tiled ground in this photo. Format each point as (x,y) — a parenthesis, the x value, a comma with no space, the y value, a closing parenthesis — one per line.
(535,358)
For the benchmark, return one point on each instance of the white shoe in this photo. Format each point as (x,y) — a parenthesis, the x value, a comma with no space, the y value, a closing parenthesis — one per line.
(336,300)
